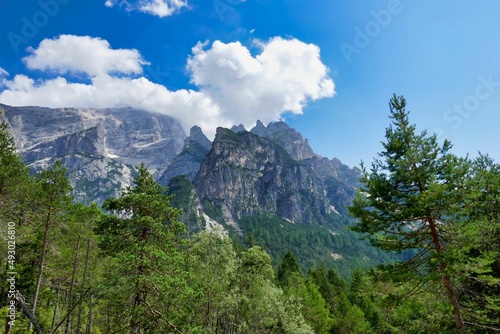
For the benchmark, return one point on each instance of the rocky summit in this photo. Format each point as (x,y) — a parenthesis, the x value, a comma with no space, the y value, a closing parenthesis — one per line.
(195,149)
(245,174)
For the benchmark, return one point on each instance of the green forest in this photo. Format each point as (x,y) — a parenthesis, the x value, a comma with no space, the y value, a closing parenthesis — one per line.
(131,266)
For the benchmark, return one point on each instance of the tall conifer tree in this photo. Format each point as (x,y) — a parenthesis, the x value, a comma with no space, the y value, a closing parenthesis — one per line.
(144,238)
(407,203)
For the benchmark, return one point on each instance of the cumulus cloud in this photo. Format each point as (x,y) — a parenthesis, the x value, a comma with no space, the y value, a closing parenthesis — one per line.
(234,87)
(282,78)
(160,8)
(83,54)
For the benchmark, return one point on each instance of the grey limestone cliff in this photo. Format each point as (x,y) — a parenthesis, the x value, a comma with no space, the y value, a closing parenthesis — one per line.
(99,147)
(246,174)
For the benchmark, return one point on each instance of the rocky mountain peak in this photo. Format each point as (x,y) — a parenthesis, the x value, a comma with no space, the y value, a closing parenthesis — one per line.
(221,131)
(196,135)
(187,162)
(245,174)
(260,129)
(238,128)
(289,138)
(278,127)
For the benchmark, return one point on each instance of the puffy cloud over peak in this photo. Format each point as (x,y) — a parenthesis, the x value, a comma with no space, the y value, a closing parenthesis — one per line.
(83,54)
(282,78)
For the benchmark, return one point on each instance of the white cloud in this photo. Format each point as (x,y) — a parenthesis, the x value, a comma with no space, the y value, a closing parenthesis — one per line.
(83,54)
(189,106)
(160,8)
(235,87)
(282,78)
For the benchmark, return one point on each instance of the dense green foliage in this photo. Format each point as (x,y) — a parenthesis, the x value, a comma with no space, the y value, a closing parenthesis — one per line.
(144,240)
(184,198)
(132,267)
(331,244)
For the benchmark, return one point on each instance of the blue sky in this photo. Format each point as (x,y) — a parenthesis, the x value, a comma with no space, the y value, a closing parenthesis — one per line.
(328,68)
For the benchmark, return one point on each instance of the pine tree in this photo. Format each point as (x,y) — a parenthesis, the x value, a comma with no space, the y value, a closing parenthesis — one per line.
(16,186)
(407,203)
(145,240)
(54,198)
(263,308)
(12,167)
(213,265)
(477,248)
(310,302)
(288,266)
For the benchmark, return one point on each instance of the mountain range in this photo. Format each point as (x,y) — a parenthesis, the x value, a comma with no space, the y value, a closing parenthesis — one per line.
(264,185)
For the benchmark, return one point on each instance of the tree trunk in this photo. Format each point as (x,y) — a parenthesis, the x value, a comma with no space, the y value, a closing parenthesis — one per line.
(42,263)
(457,315)
(80,308)
(54,315)
(89,321)
(71,286)
(8,327)
(452,298)
(135,326)
(28,314)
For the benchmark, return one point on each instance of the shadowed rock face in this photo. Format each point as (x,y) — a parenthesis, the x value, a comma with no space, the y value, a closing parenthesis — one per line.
(246,174)
(196,148)
(99,147)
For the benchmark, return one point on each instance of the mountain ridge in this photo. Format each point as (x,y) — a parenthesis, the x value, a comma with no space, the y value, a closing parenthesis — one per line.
(266,182)
(117,139)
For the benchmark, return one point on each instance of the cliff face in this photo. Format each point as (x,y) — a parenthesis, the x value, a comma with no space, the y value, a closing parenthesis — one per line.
(99,147)
(245,174)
